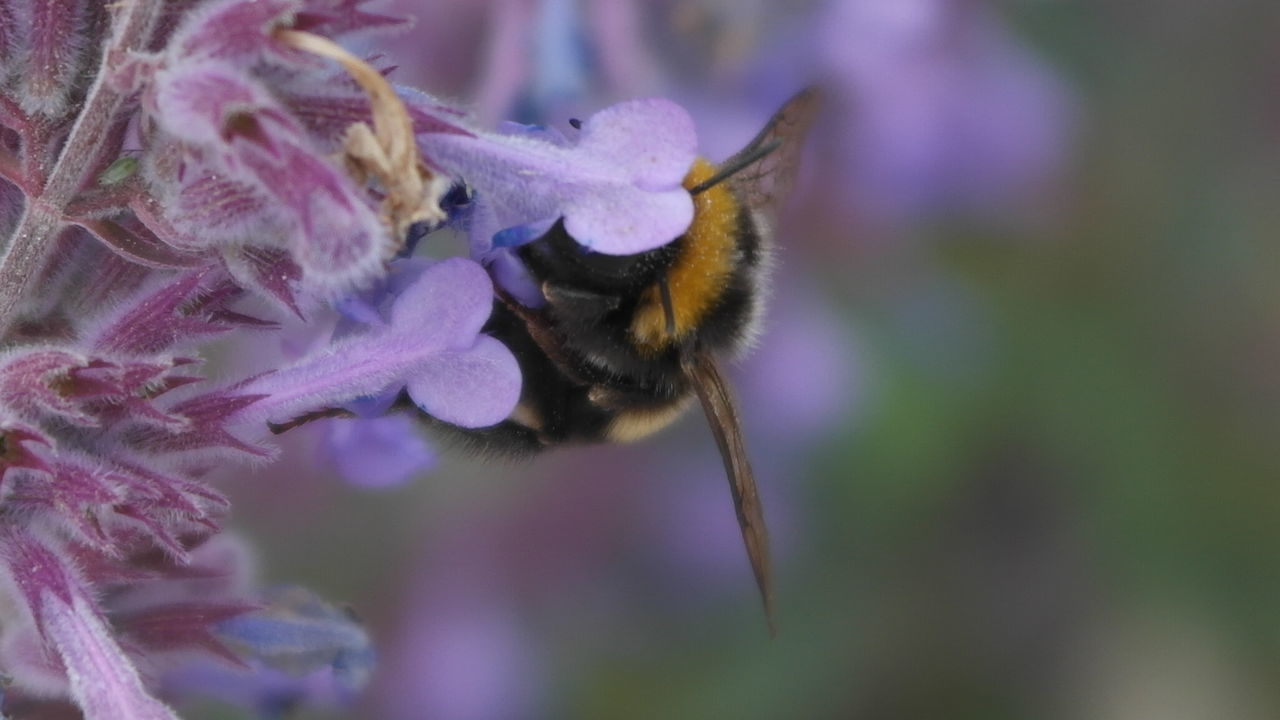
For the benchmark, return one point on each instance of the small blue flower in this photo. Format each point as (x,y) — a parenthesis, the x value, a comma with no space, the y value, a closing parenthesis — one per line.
(378,452)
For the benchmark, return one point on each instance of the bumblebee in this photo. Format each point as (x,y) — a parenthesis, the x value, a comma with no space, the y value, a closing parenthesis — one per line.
(624,344)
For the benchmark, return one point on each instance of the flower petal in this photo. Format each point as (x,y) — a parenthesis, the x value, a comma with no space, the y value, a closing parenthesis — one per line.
(104,682)
(450,301)
(620,221)
(653,140)
(474,388)
(378,452)
(631,159)
(442,310)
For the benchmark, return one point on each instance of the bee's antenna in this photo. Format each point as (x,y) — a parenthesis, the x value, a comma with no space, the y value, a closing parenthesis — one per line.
(668,311)
(736,165)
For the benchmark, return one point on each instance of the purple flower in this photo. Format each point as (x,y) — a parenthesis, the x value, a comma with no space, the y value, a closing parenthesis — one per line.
(378,452)
(617,186)
(285,647)
(429,345)
(297,630)
(946,110)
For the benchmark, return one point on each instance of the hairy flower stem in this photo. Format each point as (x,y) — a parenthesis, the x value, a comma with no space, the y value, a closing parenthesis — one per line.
(32,241)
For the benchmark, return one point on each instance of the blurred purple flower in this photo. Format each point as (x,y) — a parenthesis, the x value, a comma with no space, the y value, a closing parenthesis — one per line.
(946,111)
(286,648)
(807,376)
(378,452)
(468,659)
(295,630)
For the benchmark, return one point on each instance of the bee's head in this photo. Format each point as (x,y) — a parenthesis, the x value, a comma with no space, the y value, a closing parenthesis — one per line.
(557,256)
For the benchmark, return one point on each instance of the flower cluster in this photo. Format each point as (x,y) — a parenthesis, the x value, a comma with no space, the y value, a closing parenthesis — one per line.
(176,173)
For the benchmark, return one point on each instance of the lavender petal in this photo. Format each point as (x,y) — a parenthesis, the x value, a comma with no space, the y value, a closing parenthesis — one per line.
(473,388)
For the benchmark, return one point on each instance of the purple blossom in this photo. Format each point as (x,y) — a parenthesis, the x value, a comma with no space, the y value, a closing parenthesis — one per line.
(378,452)
(948,111)
(430,345)
(296,631)
(617,186)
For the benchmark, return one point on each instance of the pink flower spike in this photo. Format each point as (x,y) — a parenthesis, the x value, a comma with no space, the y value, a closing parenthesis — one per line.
(71,495)
(157,317)
(270,272)
(36,381)
(207,416)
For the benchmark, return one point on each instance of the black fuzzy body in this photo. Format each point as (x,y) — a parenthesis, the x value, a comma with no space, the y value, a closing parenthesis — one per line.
(582,369)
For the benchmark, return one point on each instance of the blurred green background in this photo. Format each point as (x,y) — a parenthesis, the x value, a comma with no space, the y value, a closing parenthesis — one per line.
(1056,495)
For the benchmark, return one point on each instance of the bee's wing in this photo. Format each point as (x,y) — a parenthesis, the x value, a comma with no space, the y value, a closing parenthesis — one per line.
(769,162)
(717,403)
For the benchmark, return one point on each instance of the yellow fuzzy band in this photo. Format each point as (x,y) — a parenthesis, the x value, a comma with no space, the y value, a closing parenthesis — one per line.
(698,275)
